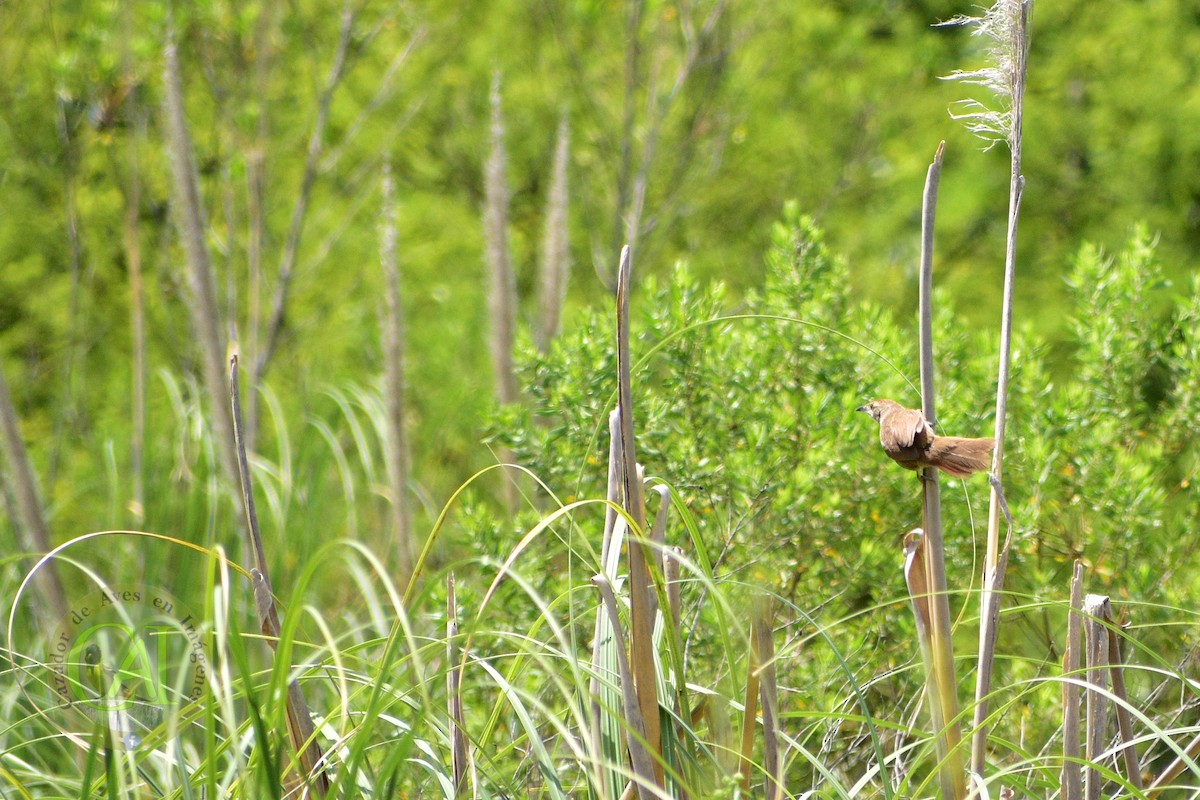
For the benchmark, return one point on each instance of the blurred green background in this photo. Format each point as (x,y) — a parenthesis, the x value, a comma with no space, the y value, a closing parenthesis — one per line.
(837,105)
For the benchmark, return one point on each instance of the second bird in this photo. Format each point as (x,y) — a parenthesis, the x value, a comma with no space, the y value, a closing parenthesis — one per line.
(909,440)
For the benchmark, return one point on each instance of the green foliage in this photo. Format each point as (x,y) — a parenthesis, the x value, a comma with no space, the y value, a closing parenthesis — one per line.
(749,416)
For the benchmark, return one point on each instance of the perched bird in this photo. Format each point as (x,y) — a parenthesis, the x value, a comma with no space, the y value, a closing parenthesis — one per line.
(909,440)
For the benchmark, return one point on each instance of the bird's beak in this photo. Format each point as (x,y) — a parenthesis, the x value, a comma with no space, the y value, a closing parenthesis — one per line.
(861,408)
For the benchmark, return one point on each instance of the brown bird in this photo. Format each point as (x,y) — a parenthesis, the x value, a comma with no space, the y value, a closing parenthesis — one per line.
(909,440)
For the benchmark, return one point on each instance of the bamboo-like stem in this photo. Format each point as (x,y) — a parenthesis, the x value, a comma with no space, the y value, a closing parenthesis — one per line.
(299,720)
(949,734)
(190,218)
(642,608)
(1116,664)
(291,245)
(394,378)
(993,575)
(1096,607)
(556,256)
(1072,773)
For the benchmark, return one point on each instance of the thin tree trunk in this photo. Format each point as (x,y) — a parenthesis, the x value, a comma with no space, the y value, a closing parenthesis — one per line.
(502,287)
(556,256)
(29,504)
(190,219)
(394,377)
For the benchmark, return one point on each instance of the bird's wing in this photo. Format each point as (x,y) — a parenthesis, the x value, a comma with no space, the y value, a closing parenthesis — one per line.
(905,427)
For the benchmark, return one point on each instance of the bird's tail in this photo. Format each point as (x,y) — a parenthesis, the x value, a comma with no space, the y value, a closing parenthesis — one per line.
(960,457)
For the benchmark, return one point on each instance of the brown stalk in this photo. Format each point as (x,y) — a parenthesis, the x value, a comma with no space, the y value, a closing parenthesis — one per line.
(641,591)
(1176,767)
(1096,607)
(1116,663)
(300,727)
(1072,773)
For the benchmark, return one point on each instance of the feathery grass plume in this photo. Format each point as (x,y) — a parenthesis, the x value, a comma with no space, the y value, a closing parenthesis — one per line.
(394,377)
(1006,26)
(556,256)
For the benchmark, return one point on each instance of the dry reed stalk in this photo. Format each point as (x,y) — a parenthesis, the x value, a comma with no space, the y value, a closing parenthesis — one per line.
(1072,773)
(641,591)
(764,645)
(1116,663)
(299,721)
(190,219)
(28,500)
(502,284)
(644,766)
(502,287)
(749,715)
(395,401)
(601,645)
(1008,24)
(556,255)
(1096,607)
(132,241)
(1175,768)
(917,579)
(943,681)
